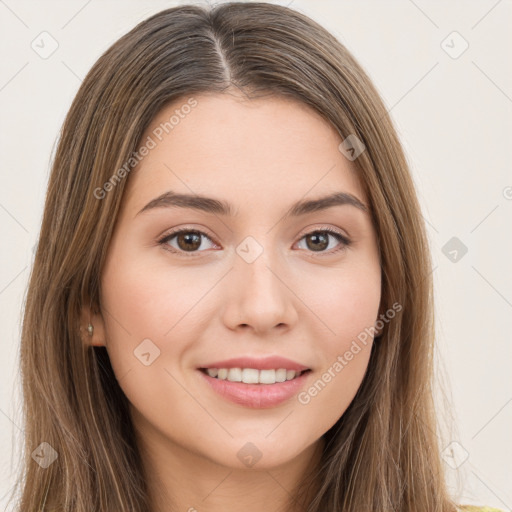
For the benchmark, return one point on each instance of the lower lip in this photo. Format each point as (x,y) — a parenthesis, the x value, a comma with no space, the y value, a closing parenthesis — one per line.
(256,396)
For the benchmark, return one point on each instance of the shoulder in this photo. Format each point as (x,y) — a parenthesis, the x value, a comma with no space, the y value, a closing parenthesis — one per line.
(473,508)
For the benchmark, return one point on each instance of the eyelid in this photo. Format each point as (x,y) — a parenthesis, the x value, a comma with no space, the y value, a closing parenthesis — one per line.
(327,228)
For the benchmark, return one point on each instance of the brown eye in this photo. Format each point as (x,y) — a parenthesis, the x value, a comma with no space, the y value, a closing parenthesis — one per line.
(318,241)
(187,241)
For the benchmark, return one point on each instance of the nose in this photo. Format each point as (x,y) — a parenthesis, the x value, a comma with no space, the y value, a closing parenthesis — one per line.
(259,297)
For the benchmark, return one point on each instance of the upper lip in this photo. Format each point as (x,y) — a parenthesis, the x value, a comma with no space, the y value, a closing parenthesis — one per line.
(264,363)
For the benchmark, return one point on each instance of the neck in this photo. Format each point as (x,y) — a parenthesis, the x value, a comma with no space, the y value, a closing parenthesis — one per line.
(179,478)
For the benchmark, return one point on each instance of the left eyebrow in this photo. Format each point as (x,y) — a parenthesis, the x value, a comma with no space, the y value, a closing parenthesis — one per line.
(194,202)
(210,205)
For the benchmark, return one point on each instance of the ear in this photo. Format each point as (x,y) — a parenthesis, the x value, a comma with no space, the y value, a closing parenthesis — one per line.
(97,337)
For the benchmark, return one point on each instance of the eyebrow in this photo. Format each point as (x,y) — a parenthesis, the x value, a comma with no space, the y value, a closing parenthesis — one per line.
(171,199)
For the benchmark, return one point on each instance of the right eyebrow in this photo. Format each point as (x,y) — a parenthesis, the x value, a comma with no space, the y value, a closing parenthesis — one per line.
(314,205)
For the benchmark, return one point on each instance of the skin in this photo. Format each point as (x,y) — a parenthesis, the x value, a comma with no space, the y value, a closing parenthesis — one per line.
(291,301)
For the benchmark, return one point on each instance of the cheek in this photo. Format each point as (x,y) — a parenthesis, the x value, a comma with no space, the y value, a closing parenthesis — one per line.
(345,300)
(352,306)
(150,302)
(154,316)
(348,303)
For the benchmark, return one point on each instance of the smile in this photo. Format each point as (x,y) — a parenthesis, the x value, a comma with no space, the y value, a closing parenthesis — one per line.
(253,375)
(266,394)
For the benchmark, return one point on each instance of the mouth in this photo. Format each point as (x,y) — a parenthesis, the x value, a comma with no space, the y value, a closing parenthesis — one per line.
(253,375)
(254,388)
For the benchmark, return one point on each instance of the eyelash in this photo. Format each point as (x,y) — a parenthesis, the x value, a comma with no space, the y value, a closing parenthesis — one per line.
(345,242)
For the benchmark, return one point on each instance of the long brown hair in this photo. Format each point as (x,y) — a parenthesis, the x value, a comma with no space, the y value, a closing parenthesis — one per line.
(383,452)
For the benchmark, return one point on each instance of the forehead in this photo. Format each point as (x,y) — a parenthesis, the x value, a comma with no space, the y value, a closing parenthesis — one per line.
(226,145)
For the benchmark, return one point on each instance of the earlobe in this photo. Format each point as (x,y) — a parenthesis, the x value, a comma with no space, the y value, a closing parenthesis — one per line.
(92,328)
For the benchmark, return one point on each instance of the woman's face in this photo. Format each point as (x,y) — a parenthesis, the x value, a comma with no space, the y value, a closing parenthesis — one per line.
(251,276)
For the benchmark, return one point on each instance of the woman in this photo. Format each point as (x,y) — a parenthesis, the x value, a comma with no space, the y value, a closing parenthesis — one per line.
(231,302)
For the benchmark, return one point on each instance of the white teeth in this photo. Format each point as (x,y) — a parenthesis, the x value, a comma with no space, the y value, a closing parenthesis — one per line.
(252,375)
(235,375)
(281,375)
(267,377)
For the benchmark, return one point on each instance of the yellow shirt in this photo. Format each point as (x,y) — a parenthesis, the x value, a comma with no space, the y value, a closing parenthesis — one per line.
(473,508)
